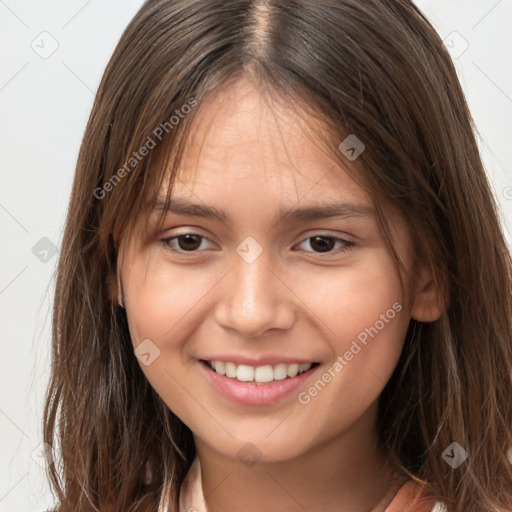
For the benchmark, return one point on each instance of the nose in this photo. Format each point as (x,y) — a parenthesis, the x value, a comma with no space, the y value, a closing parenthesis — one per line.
(254,299)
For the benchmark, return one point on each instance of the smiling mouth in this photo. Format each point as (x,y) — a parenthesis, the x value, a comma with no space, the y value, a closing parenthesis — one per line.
(259,374)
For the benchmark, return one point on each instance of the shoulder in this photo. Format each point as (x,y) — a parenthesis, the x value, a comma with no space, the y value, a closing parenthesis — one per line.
(409,498)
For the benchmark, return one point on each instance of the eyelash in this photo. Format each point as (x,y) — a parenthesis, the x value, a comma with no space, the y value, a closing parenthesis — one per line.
(347,245)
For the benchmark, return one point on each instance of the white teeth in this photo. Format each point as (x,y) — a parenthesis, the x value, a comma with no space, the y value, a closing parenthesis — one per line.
(245,373)
(260,374)
(279,372)
(230,370)
(263,374)
(219,367)
(304,367)
(292,370)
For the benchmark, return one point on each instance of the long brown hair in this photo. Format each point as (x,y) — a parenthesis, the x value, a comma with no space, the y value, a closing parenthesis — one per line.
(373,68)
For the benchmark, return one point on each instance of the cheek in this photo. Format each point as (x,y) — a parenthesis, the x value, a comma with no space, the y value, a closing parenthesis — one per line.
(162,299)
(365,322)
(352,300)
(162,306)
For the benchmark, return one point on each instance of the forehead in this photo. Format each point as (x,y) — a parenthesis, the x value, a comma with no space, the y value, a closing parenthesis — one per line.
(243,142)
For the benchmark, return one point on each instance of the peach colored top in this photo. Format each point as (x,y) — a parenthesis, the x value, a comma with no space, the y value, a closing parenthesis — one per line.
(192,499)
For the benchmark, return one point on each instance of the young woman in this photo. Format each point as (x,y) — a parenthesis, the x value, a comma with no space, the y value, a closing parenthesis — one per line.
(283,284)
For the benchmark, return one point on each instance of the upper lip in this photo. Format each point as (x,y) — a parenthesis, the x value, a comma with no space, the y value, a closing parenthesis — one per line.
(258,361)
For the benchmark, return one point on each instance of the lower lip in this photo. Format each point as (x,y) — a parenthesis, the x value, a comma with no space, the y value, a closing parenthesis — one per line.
(250,393)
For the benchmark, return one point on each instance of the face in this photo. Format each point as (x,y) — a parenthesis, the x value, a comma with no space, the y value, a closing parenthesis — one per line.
(262,290)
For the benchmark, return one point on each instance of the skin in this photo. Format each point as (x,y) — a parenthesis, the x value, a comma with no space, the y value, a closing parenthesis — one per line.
(249,158)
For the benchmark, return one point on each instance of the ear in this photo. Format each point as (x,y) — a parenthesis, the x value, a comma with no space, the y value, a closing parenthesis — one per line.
(114,290)
(431,297)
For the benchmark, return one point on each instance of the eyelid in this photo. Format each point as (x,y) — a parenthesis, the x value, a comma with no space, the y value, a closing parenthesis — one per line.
(347,243)
(166,240)
(192,230)
(347,237)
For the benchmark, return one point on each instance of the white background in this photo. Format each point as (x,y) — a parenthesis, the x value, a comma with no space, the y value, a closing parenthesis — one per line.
(44,105)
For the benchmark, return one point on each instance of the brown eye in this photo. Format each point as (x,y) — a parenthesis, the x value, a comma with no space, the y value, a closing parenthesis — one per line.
(325,244)
(322,243)
(187,242)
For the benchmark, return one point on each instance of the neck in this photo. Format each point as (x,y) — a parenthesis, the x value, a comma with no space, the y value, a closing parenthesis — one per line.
(349,472)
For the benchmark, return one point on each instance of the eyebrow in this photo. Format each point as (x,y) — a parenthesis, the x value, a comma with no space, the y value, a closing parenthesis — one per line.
(183,206)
